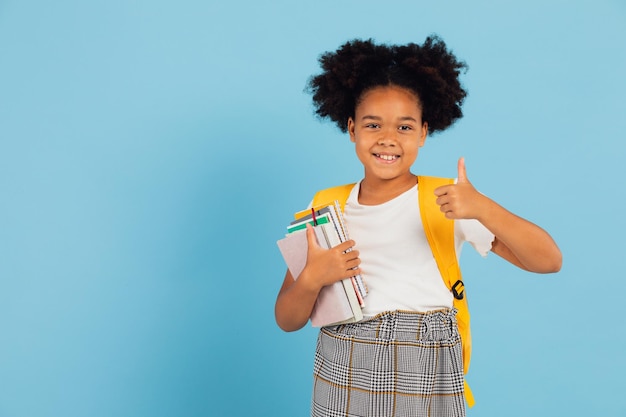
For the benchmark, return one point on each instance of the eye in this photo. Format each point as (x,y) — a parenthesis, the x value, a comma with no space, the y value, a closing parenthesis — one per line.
(372,126)
(405,128)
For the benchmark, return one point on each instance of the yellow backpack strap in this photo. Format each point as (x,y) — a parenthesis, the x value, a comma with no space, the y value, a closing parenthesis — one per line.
(329,195)
(440,234)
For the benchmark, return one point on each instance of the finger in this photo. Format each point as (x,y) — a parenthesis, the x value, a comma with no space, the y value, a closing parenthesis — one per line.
(350,272)
(311,238)
(462,177)
(352,263)
(345,246)
(355,270)
(443,190)
(351,255)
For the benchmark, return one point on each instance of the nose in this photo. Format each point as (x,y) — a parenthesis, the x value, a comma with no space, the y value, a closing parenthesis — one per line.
(386,140)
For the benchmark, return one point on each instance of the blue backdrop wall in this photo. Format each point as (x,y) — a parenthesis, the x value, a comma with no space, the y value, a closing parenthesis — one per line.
(151,153)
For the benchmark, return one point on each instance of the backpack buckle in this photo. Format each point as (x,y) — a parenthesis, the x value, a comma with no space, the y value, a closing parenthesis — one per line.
(458,290)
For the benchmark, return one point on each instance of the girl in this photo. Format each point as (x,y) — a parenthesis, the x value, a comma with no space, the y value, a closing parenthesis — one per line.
(404,357)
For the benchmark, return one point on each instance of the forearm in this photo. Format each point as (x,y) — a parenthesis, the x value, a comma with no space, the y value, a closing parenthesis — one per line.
(295,303)
(520,241)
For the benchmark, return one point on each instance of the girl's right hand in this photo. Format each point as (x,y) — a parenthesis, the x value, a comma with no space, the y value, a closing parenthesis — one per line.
(323,267)
(326,266)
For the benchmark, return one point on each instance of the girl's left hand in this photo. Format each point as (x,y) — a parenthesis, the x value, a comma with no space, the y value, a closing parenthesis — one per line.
(460,200)
(517,240)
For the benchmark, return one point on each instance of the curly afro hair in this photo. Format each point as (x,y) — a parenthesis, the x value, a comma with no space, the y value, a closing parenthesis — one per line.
(428,70)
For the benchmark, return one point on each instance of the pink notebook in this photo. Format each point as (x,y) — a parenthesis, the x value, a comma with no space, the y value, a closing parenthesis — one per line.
(332,305)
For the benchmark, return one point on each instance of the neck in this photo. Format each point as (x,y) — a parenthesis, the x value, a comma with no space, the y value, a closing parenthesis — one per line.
(380,191)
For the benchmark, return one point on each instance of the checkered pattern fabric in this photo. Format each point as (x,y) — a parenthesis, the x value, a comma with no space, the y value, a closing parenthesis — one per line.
(395,364)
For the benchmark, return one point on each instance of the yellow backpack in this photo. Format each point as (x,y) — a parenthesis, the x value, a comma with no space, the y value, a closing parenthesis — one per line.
(440,234)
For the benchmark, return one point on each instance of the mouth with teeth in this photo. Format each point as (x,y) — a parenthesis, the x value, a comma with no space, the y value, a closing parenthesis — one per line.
(386,158)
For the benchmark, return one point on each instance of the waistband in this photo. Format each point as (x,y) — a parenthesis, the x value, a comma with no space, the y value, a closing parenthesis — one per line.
(437,325)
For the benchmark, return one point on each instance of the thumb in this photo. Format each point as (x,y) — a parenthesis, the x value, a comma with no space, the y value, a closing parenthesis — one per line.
(311,238)
(462,177)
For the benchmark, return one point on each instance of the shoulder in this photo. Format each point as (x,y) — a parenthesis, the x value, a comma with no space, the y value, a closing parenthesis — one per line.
(428,181)
(327,195)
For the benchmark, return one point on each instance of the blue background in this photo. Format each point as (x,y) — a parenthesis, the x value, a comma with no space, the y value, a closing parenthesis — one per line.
(151,153)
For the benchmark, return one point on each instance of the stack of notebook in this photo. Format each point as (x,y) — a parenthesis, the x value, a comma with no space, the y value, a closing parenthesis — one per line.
(337,303)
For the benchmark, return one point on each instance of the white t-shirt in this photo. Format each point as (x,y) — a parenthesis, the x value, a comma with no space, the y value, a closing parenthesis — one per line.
(397,264)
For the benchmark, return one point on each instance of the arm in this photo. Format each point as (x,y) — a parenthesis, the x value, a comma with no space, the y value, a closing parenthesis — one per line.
(519,241)
(296,298)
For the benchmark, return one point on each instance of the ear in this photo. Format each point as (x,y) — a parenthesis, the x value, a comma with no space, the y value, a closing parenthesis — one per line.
(423,134)
(351,127)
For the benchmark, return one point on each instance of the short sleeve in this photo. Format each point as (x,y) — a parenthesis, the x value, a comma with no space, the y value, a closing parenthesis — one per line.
(473,232)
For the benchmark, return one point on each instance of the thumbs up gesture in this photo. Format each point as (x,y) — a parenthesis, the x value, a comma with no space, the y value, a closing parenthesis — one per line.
(460,200)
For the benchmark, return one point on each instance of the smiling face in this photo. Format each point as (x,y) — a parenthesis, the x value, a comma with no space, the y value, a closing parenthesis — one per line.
(388,131)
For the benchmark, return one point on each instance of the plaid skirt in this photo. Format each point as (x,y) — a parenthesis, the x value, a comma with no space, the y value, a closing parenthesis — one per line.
(395,364)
